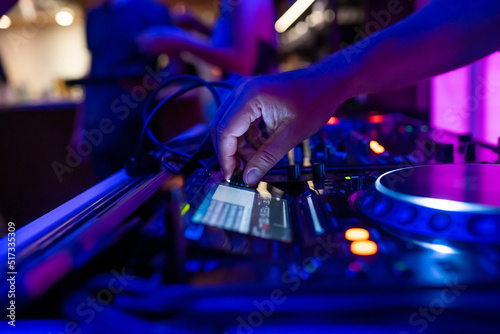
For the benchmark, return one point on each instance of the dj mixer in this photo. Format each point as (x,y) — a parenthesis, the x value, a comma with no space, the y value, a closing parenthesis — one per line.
(376,224)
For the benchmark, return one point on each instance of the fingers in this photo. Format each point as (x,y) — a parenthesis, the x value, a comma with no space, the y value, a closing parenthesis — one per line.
(233,119)
(269,154)
(245,150)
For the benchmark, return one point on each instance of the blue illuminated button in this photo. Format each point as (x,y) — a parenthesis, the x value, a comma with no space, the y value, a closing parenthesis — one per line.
(383,207)
(482,226)
(440,222)
(406,214)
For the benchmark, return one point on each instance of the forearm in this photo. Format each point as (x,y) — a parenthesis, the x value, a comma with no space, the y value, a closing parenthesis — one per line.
(229,59)
(442,36)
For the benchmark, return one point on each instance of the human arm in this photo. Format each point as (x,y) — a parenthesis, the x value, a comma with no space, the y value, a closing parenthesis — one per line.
(442,36)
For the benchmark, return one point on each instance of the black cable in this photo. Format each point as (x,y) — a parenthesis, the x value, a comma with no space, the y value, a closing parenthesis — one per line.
(148,117)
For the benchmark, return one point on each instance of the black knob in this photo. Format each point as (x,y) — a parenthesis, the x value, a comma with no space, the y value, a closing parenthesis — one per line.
(294,172)
(462,140)
(318,171)
(470,152)
(498,148)
(447,153)
(357,183)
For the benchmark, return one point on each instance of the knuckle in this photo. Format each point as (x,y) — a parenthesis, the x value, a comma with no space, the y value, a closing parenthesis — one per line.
(267,158)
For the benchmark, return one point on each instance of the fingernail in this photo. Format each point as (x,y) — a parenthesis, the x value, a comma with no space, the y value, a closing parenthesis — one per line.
(252,176)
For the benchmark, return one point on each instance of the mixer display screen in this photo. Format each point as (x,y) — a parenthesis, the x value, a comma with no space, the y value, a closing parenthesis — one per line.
(245,211)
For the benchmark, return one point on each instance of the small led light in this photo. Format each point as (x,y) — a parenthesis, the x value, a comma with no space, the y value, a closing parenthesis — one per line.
(332,121)
(354,234)
(185,209)
(347,177)
(376,119)
(364,247)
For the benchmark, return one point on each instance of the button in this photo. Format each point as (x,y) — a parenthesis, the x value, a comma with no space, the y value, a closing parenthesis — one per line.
(482,226)
(447,153)
(383,207)
(294,172)
(355,234)
(364,247)
(406,214)
(440,222)
(498,149)
(319,171)
(462,140)
(237,178)
(357,183)
(470,152)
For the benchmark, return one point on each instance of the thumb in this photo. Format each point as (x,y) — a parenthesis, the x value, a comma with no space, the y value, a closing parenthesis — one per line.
(268,154)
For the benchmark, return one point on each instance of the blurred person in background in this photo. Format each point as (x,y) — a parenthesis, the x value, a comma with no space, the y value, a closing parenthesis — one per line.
(243,41)
(119,79)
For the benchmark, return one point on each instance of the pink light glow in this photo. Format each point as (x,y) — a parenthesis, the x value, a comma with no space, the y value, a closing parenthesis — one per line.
(491,105)
(450,101)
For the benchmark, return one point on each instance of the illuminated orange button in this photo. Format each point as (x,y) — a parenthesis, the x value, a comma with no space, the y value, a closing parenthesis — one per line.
(364,247)
(354,234)
(376,147)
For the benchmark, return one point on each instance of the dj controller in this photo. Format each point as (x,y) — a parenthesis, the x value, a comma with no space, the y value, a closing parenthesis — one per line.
(376,224)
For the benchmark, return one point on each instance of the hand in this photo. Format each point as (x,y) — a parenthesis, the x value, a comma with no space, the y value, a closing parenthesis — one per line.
(293,106)
(162,39)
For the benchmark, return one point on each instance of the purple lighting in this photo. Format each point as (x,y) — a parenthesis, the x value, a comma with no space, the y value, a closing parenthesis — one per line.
(490,115)
(467,100)
(450,101)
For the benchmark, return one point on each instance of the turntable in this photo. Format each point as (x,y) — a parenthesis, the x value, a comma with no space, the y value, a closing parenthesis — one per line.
(453,201)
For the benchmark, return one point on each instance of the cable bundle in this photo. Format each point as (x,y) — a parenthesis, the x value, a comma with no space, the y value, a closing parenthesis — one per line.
(145,162)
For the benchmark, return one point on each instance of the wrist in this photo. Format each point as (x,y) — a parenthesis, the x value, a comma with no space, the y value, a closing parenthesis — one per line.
(332,80)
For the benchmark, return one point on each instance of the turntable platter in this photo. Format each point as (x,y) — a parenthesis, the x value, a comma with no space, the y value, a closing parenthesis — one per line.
(460,201)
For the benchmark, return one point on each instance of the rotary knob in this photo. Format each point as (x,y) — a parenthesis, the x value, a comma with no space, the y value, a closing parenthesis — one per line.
(470,152)
(294,172)
(319,171)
